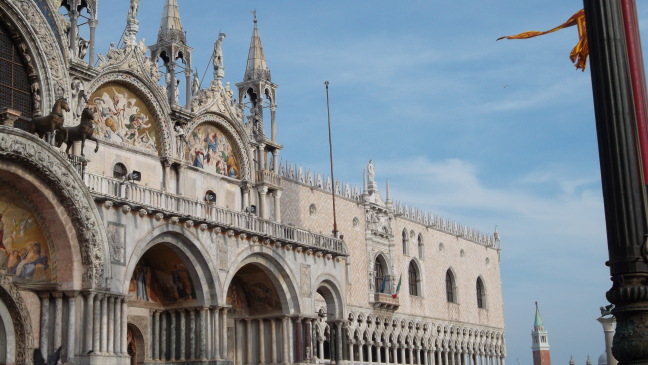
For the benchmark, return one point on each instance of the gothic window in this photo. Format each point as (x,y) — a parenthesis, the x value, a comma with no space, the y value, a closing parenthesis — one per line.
(481,294)
(405,239)
(381,284)
(15,88)
(413,276)
(451,289)
(119,171)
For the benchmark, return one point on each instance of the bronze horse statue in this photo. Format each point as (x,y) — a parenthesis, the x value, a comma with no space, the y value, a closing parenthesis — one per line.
(84,130)
(51,122)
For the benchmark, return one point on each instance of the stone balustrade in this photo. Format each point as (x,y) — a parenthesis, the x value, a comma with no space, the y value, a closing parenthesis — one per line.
(152,200)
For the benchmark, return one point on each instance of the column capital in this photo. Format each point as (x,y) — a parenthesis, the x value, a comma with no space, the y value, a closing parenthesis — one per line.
(44,294)
(57,295)
(71,294)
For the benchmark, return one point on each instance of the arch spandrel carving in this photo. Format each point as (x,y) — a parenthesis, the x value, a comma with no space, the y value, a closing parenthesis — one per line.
(56,172)
(138,95)
(236,136)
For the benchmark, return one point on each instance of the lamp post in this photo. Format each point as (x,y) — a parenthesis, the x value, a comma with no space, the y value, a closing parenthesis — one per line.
(618,116)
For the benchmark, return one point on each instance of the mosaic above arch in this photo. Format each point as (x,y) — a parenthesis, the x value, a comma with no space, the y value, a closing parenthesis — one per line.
(24,251)
(122,117)
(210,149)
(161,277)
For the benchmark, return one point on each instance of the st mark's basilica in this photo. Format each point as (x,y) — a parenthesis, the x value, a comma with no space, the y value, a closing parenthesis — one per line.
(146,220)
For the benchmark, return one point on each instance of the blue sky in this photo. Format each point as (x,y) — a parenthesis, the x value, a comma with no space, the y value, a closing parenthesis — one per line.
(484,132)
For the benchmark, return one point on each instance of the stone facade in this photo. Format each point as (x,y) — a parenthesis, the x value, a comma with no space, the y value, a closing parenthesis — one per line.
(184,239)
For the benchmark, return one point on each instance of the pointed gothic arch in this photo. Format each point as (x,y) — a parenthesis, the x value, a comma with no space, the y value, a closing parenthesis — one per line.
(451,286)
(480,293)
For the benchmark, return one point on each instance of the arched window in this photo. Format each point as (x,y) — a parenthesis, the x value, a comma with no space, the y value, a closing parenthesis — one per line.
(15,87)
(481,294)
(381,284)
(420,246)
(119,171)
(405,239)
(210,197)
(413,276)
(451,290)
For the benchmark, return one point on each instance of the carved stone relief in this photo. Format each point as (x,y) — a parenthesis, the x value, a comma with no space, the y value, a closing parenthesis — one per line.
(117,242)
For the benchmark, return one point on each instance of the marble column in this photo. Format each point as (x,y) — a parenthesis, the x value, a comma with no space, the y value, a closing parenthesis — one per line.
(262,158)
(299,340)
(263,191)
(93,27)
(58,320)
(433,357)
(309,340)
(156,335)
(378,345)
(217,337)
(369,351)
(104,324)
(321,348)
(89,322)
(361,351)
(224,334)
(96,335)
(116,335)
(183,334)
(203,333)
(403,357)
(284,328)
(445,356)
(350,346)
(425,356)
(71,329)
(248,335)
(172,335)
(163,336)
(192,334)
(261,343)
(277,205)
(338,339)
(44,322)
(273,340)
(418,355)
(111,324)
(395,352)
(124,327)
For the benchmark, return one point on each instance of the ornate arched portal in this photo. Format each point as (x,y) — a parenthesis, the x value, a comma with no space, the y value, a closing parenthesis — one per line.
(168,293)
(258,330)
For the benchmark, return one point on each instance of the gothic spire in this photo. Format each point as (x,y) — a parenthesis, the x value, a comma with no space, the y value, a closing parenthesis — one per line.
(256,67)
(170,25)
(538,320)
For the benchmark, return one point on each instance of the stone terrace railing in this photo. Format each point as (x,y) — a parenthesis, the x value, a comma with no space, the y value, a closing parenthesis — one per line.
(156,200)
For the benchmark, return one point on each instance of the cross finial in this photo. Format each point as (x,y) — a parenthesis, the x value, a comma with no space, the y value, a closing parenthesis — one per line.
(254,14)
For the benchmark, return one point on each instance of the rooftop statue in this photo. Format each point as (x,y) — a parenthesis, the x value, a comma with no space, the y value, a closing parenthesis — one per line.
(219,68)
(134,6)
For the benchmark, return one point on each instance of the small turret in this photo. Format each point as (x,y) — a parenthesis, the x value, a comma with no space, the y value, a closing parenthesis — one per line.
(258,88)
(172,46)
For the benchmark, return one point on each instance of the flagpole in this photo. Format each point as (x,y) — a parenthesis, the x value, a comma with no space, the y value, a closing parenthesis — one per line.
(328,112)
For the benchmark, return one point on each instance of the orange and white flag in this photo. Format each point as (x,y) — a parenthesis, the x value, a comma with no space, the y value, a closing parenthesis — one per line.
(580,52)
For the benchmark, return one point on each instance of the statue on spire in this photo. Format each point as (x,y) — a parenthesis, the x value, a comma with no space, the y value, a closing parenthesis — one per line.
(219,68)
(134,6)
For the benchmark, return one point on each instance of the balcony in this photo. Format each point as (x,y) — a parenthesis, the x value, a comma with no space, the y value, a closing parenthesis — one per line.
(268,178)
(385,301)
(140,197)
